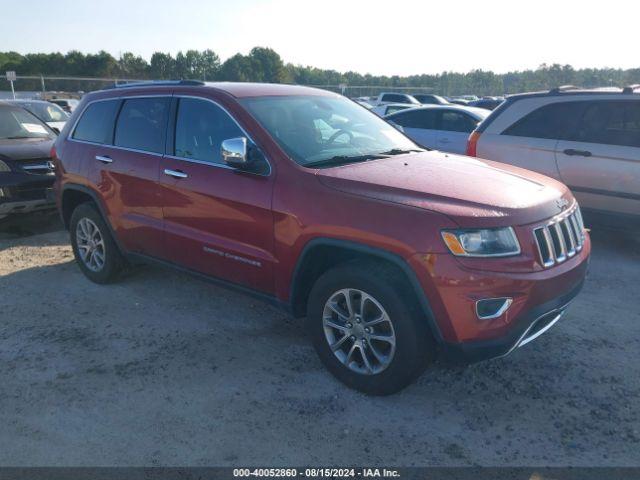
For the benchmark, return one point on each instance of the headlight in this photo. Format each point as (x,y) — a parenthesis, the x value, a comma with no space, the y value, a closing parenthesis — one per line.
(494,242)
(4,167)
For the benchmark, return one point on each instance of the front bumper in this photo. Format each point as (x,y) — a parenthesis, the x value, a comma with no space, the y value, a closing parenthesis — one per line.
(539,299)
(25,193)
(529,327)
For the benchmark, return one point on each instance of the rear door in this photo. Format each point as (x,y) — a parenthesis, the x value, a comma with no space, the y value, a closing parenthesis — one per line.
(600,158)
(419,125)
(218,220)
(126,173)
(530,141)
(453,131)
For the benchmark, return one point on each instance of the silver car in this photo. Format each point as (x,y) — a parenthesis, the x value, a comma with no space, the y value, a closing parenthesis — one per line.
(588,139)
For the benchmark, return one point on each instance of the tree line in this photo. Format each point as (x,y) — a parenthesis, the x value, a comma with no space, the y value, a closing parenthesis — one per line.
(265,65)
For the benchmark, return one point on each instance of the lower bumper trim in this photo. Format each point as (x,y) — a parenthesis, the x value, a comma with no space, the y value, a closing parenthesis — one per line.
(537,328)
(527,329)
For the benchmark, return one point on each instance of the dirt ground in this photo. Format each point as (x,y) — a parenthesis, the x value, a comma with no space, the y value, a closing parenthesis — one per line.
(163,369)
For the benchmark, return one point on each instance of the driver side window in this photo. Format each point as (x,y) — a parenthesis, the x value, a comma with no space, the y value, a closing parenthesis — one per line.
(201,127)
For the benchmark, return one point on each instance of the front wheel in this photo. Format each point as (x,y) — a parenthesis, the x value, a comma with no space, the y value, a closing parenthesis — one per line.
(93,247)
(367,330)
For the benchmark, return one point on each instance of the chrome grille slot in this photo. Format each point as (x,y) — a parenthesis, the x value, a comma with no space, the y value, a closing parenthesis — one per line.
(570,242)
(544,246)
(561,238)
(577,232)
(557,239)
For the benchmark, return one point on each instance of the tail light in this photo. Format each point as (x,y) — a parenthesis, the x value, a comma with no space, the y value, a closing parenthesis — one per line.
(472,144)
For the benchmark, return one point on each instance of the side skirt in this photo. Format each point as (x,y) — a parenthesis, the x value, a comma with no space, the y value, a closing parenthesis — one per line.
(137,258)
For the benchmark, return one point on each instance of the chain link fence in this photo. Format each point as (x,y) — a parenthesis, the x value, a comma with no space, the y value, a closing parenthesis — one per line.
(355,91)
(48,87)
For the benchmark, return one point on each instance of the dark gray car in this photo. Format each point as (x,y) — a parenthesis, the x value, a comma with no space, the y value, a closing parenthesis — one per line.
(26,171)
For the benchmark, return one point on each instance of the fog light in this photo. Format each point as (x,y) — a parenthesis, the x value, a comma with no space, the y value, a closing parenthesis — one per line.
(490,308)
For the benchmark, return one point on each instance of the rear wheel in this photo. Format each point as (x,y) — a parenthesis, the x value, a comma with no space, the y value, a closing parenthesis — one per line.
(367,330)
(93,247)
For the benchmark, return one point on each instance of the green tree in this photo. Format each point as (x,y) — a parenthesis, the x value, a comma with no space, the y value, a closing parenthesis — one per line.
(267,66)
(237,69)
(209,65)
(162,66)
(132,66)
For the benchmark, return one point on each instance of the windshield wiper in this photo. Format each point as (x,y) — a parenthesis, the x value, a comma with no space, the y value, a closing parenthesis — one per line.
(343,159)
(400,151)
(19,137)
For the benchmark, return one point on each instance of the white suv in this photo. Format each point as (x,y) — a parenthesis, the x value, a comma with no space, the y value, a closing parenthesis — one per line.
(588,139)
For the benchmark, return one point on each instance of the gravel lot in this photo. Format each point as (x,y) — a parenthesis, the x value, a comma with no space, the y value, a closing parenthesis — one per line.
(163,369)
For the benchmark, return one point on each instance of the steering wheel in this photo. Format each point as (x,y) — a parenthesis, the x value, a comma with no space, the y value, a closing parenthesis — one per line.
(339,133)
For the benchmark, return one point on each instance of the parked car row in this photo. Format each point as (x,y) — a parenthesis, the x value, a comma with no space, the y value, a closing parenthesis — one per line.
(395,254)
(588,139)
(378,103)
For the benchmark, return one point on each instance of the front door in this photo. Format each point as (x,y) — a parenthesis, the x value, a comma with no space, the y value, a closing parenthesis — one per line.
(218,220)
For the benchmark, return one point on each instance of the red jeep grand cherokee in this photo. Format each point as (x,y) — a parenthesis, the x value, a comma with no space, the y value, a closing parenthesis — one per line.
(304,198)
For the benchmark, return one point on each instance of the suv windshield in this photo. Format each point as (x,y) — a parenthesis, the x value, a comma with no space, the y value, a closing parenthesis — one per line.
(48,112)
(18,123)
(317,129)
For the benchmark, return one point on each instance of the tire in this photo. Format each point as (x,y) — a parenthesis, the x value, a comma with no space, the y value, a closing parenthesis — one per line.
(391,365)
(107,262)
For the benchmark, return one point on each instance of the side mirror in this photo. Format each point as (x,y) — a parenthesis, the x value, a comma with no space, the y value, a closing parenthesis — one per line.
(234,152)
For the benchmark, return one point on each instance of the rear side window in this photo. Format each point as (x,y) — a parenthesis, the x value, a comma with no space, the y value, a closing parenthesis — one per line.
(395,98)
(423,119)
(395,108)
(428,100)
(609,123)
(201,127)
(552,121)
(457,122)
(96,123)
(142,124)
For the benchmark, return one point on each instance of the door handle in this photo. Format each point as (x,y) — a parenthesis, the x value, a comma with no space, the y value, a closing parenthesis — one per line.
(580,153)
(175,173)
(104,158)
(444,140)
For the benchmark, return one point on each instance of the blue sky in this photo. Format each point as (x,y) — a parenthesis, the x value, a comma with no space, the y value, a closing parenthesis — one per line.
(381,37)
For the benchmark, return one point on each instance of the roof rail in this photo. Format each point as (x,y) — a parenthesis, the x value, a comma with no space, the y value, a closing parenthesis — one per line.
(563,88)
(631,88)
(154,83)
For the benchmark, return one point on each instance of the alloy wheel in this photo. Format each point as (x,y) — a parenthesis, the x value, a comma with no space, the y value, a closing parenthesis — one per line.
(90,244)
(359,331)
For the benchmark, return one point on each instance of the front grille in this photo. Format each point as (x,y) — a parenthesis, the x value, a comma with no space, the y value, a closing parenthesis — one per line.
(561,238)
(31,192)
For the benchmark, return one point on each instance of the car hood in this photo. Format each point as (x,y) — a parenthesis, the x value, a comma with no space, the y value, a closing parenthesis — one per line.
(25,149)
(471,191)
